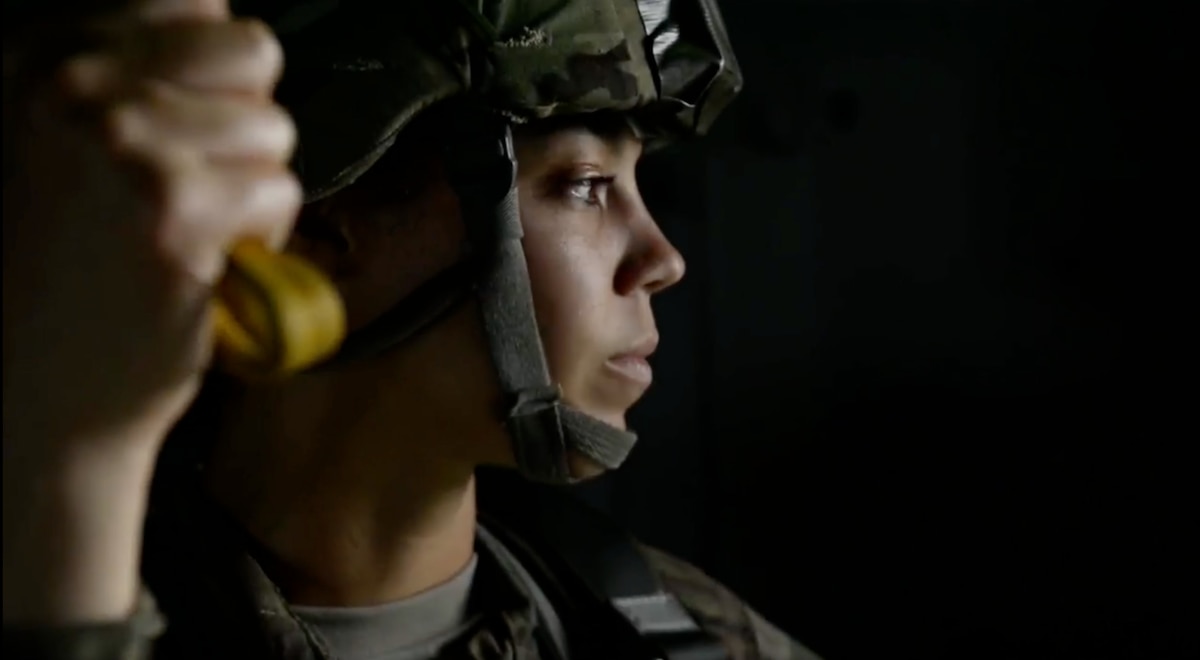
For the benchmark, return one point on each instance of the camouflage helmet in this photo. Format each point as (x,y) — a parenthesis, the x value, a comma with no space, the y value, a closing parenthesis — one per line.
(358,72)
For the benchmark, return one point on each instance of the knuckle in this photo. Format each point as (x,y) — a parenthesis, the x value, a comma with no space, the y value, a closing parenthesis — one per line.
(291,194)
(173,198)
(163,196)
(261,44)
(265,205)
(277,201)
(264,195)
(294,200)
(123,126)
(279,118)
(178,189)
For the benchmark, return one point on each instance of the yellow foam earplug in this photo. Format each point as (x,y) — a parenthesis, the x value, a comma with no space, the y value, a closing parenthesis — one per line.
(275,313)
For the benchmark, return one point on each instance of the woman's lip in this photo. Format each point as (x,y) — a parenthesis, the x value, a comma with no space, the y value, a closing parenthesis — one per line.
(632,367)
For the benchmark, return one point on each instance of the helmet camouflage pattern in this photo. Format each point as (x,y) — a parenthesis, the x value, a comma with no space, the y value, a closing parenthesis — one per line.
(357,74)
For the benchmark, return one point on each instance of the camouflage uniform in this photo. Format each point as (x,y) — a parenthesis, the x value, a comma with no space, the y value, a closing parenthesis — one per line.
(352,84)
(219,603)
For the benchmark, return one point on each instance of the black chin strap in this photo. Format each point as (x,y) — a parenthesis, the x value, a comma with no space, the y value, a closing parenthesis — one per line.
(542,427)
(482,169)
(420,309)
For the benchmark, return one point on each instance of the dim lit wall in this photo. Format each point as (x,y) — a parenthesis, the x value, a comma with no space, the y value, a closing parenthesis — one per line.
(902,393)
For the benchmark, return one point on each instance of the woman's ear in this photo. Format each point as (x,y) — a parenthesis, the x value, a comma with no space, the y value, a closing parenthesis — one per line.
(383,236)
(322,235)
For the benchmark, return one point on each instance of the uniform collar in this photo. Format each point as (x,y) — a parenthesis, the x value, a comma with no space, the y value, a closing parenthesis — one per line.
(219,602)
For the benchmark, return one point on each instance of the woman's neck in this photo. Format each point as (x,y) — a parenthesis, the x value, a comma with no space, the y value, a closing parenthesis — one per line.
(343,547)
(347,520)
(360,481)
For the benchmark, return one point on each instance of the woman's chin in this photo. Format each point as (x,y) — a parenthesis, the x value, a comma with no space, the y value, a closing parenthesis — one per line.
(582,467)
(611,414)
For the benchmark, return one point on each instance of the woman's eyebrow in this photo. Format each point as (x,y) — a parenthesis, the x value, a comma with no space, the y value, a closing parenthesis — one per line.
(615,144)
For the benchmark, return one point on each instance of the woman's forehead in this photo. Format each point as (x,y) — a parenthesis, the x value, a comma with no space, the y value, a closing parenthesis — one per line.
(416,154)
(613,134)
(605,125)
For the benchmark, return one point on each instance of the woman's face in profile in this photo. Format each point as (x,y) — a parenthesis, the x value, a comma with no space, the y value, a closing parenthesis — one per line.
(595,258)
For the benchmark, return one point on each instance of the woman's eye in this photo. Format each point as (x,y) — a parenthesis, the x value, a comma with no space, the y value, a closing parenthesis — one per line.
(592,191)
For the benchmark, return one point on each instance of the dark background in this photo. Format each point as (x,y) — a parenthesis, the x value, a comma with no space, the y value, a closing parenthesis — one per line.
(921,395)
(925,392)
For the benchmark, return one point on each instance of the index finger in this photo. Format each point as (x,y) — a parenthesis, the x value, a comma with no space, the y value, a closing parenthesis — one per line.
(176,10)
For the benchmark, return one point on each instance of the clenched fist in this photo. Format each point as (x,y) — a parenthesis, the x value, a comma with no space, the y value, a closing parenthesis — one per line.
(131,169)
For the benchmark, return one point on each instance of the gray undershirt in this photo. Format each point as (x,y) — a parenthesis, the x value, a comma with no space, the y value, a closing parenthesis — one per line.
(417,628)
(411,629)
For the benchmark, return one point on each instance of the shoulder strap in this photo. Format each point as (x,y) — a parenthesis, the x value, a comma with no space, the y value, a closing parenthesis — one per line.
(593,565)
